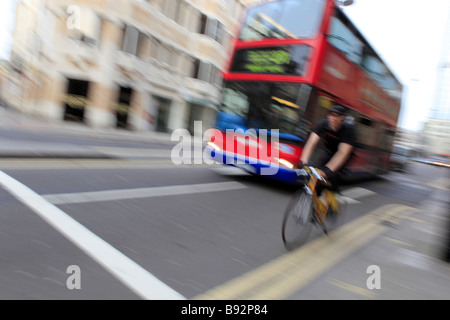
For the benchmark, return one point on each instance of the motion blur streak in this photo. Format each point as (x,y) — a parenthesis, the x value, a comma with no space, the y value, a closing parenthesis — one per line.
(126,270)
(291,272)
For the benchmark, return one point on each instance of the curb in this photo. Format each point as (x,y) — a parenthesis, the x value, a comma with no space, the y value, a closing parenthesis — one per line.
(14,120)
(43,155)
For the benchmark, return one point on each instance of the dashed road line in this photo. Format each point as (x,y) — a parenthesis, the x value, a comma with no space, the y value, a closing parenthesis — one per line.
(130,152)
(139,193)
(97,164)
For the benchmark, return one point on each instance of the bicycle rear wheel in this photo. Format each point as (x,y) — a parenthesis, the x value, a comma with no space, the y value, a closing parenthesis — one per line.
(297,220)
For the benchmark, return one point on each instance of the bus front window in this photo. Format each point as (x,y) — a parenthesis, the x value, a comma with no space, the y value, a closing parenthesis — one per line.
(259,105)
(284,19)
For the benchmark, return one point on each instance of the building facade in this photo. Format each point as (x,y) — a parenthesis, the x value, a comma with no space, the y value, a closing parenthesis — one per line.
(436,136)
(410,139)
(148,65)
(436,131)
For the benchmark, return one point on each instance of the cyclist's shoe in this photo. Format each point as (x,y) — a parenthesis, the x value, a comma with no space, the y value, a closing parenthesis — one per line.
(331,212)
(332,215)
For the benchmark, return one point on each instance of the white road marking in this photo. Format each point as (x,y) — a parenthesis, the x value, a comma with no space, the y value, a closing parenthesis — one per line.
(113,195)
(123,268)
(196,152)
(346,200)
(356,193)
(133,152)
(349,196)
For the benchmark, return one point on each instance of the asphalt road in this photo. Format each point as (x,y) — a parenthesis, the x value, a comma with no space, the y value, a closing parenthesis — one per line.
(185,230)
(126,223)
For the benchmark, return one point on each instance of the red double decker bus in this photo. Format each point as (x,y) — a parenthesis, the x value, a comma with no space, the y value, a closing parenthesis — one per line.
(291,62)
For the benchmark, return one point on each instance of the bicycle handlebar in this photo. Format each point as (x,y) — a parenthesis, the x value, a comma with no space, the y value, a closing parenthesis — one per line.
(317,175)
(311,171)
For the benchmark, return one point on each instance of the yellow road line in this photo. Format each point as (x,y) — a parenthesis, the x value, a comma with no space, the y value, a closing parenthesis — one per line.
(398,242)
(288,274)
(355,289)
(417,220)
(441,183)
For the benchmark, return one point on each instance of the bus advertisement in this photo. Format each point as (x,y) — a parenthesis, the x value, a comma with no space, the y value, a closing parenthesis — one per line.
(291,62)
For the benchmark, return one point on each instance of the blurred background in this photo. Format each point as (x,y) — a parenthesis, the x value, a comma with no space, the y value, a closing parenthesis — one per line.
(138,65)
(156,65)
(149,67)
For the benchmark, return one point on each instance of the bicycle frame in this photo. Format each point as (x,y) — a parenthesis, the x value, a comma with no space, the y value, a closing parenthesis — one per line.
(306,208)
(313,179)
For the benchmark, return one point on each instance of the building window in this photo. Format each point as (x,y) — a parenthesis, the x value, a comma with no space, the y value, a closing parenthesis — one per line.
(122,107)
(212,28)
(163,107)
(203,21)
(216,76)
(165,54)
(215,30)
(172,9)
(75,100)
(142,48)
(207,72)
(196,69)
(154,48)
(130,39)
(204,71)
(133,40)
(177,59)
(188,65)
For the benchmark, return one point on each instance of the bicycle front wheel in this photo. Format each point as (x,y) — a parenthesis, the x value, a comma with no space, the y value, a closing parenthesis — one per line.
(297,220)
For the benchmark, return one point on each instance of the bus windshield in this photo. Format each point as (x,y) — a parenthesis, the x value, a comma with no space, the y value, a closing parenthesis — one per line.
(265,105)
(288,19)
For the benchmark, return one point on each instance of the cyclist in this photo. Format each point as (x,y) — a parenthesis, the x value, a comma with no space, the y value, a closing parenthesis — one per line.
(338,137)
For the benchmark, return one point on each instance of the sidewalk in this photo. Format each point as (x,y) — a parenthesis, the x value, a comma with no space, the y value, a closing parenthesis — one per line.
(26,148)
(14,119)
(412,256)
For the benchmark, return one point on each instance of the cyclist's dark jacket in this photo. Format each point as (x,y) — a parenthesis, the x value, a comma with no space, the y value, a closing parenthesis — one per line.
(331,139)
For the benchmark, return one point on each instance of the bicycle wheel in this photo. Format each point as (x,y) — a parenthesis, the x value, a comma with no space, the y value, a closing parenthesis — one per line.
(297,220)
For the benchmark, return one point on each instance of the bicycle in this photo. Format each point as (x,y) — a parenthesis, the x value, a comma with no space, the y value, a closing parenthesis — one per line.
(306,208)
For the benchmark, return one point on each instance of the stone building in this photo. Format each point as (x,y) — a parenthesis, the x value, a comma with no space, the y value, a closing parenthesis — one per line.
(436,135)
(148,65)
(436,131)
